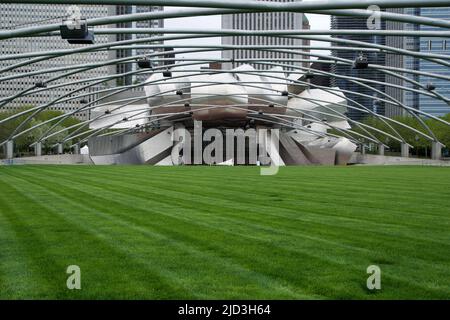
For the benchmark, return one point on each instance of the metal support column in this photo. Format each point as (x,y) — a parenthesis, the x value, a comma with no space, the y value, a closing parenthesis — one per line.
(76,149)
(404,150)
(38,149)
(381,149)
(9,147)
(436,150)
(362,148)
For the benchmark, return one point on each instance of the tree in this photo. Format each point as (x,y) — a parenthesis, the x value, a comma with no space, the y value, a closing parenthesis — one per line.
(421,144)
(22,143)
(441,130)
(47,144)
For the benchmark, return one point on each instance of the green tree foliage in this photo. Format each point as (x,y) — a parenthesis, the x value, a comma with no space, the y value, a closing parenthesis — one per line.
(22,143)
(420,143)
(441,130)
(40,131)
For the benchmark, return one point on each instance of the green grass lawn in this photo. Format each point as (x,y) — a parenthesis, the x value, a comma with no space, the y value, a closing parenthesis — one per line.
(224,232)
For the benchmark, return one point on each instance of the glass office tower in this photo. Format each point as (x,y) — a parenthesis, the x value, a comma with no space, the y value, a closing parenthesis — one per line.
(428,45)
(365,100)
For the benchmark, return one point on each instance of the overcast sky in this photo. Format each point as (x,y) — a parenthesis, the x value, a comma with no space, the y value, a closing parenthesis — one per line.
(318,22)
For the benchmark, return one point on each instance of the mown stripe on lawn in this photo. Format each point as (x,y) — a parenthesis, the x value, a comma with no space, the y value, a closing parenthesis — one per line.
(56,208)
(413,239)
(15,272)
(311,196)
(164,191)
(179,244)
(264,231)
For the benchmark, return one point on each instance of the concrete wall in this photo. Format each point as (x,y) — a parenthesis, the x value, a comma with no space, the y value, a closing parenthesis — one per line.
(150,151)
(107,145)
(51,159)
(371,159)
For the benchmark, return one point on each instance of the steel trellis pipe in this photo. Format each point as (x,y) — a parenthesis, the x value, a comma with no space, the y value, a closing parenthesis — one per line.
(300,32)
(324,88)
(202,84)
(256,5)
(347,98)
(439,96)
(162,15)
(142,98)
(133,58)
(329,39)
(135,100)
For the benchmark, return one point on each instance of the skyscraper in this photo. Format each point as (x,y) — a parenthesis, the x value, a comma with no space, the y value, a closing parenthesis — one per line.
(262,21)
(398,61)
(356,23)
(22,15)
(417,44)
(428,45)
(389,91)
(117,54)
